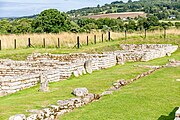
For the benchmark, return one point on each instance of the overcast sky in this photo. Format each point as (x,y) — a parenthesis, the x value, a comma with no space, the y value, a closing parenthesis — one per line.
(16,8)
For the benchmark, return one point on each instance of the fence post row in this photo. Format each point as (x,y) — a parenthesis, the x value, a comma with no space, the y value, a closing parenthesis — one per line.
(14,43)
(87,41)
(58,43)
(44,42)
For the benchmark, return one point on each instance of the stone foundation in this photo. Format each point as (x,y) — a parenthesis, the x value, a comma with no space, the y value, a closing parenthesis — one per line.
(145,52)
(18,75)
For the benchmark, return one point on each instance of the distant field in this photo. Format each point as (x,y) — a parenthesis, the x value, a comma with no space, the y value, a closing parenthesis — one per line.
(118,15)
(173,21)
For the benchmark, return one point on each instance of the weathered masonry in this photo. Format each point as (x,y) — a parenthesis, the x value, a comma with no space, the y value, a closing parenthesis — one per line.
(19,75)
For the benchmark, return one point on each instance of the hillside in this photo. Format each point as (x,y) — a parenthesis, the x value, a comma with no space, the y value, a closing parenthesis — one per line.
(123,15)
(162,9)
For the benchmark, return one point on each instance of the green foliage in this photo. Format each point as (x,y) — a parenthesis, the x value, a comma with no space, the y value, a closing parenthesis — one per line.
(153,20)
(54,21)
(105,28)
(153,28)
(113,24)
(131,25)
(90,26)
(51,20)
(177,24)
(84,21)
(74,27)
(22,26)
(161,9)
(6,26)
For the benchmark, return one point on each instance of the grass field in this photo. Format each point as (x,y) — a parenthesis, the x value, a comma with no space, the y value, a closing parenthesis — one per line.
(118,15)
(68,40)
(173,37)
(150,98)
(173,21)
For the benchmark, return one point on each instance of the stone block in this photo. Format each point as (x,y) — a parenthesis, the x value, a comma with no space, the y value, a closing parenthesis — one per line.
(80,92)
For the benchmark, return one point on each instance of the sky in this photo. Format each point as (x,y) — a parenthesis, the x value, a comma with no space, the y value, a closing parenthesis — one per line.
(18,8)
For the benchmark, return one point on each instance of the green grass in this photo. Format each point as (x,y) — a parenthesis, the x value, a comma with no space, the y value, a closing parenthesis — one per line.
(173,21)
(149,98)
(98,82)
(163,91)
(21,54)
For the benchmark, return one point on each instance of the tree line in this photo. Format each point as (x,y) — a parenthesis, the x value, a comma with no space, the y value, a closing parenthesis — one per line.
(54,21)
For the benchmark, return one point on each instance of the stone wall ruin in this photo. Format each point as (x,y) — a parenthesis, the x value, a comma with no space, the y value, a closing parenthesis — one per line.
(19,75)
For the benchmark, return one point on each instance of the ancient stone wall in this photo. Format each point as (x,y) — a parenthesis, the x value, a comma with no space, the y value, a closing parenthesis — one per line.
(143,46)
(146,52)
(13,84)
(18,75)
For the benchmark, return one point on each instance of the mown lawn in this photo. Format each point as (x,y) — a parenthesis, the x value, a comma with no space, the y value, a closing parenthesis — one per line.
(152,98)
(98,82)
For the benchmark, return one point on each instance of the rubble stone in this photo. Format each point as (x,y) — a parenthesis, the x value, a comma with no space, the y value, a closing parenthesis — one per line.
(18,117)
(80,92)
(106,93)
(88,66)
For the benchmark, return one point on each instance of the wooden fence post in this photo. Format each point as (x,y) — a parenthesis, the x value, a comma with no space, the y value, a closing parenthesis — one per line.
(109,36)
(125,35)
(44,42)
(102,38)
(0,45)
(145,33)
(164,33)
(87,40)
(94,39)
(14,43)
(29,42)
(58,43)
(78,42)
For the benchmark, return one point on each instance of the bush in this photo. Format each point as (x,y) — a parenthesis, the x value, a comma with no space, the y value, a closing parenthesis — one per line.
(153,28)
(177,24)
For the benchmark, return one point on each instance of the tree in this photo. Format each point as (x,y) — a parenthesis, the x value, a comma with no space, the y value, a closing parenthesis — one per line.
(131,25)
(22,26)
(153,20)
(129,1)
(177,24)
(142,23)
(6,26)
(52,20)
(90,26)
